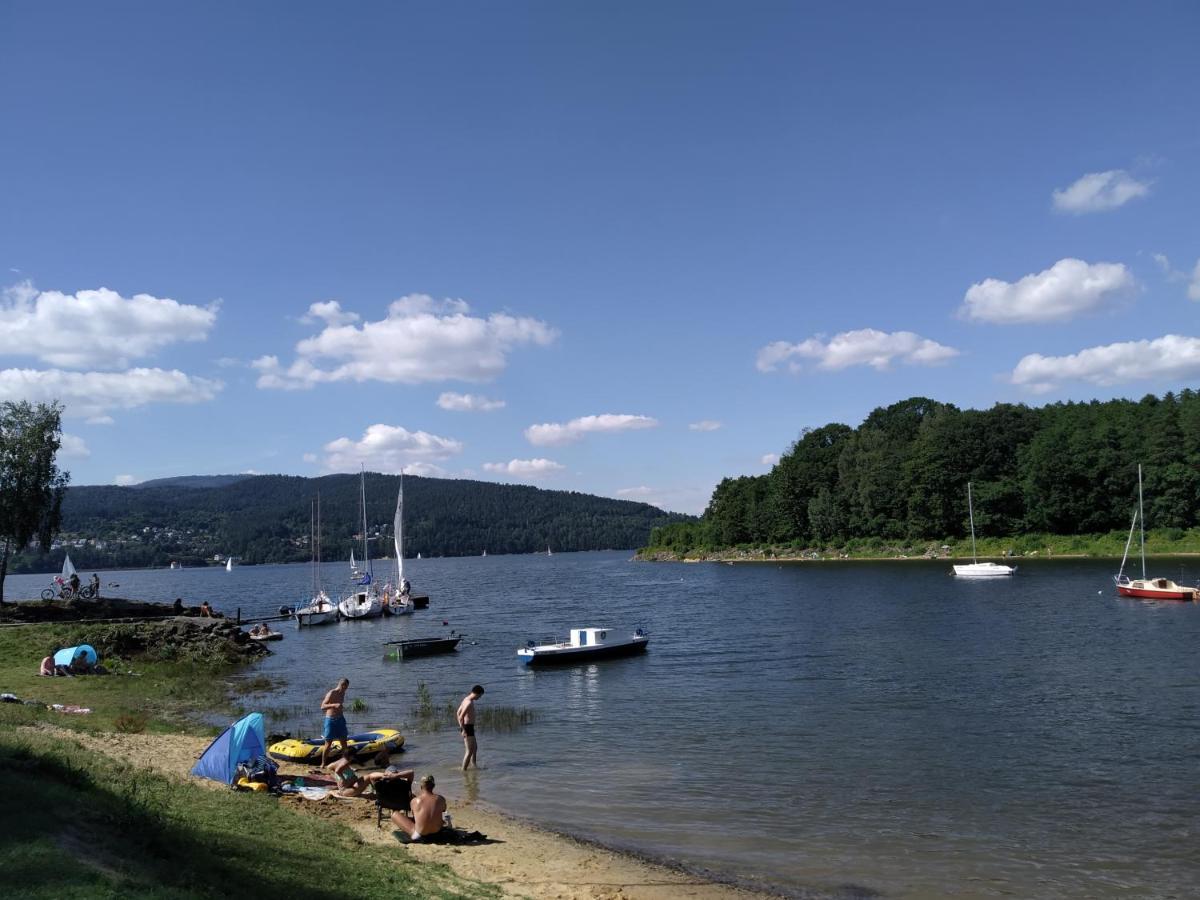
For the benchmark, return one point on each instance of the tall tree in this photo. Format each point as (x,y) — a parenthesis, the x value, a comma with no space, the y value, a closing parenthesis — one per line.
(31,484)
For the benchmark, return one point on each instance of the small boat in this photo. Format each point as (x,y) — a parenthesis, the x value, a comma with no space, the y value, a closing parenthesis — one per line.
(174,565)
(268,636)
(229,564)
(320,610)
(419,601)
(364,603)
(309,751)
(584,645)
(396,600)
(1148,588)
(977,569)
(425,646)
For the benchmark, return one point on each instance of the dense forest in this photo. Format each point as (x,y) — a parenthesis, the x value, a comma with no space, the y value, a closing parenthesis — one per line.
(1065,469)
(266,518)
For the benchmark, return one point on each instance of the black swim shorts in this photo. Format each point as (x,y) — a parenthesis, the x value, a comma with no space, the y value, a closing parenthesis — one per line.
(469,729)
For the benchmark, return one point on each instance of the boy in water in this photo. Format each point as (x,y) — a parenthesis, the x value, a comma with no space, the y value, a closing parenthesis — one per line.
(466,724)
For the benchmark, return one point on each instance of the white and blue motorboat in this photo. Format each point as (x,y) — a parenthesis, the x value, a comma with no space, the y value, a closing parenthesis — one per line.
(584,645)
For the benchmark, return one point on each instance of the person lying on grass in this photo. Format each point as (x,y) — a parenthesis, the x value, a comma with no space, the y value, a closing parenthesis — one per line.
(351,784)
(428,809)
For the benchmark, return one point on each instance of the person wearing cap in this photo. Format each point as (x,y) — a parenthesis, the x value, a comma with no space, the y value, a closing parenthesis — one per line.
(427,811)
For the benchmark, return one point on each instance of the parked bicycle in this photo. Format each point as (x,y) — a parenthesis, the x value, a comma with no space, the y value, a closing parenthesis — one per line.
(63,591)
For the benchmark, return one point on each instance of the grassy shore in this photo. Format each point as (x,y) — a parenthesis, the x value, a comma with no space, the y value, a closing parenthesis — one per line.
(1159,542)
(78,824)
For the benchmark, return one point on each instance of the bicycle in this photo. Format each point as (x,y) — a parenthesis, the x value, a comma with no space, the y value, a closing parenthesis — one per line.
(65,593)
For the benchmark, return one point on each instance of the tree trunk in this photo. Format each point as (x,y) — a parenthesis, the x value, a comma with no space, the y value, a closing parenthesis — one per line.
(4,568)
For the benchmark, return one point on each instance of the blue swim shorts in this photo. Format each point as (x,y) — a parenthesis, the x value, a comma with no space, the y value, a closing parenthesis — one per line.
(335,728)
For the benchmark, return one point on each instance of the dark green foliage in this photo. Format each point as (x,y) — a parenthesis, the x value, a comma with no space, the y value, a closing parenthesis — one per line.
(31,484)
(265,519)
(1065,469)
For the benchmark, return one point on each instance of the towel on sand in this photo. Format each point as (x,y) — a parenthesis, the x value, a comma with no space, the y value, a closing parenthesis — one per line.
(445,836)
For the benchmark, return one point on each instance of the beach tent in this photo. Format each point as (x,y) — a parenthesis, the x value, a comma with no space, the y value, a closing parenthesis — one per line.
(68,655)
(241,741)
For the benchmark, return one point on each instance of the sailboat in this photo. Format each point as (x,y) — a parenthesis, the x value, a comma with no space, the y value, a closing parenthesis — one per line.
(320,608)
(68,568)
(363,603)
(229,564)
(549,552)
(1148,588)
(396,600)
(977,569)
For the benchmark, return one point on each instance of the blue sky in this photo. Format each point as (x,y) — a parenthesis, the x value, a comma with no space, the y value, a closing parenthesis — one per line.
(269,237)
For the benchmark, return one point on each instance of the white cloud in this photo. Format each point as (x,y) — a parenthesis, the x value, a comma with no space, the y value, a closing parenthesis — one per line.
(330,312)
(525,468)
(309,457)
(100,420)
(420,340)
(1169,357)
(1067,289)
(639,491)
(97,328)
(556,434)
(468,402)
(865,347)
(126,480)
(1163,262)
(704,425)
(74,447)
(389,448)
(769,459)
(425,470)
(1099,191)
(1194,284)
(93,395)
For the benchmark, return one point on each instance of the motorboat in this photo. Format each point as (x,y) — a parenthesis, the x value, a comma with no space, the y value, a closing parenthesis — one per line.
(584,645)
(1148,588)
(975,568)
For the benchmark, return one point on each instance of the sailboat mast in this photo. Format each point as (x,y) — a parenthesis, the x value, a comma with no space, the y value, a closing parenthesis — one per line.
(366,550)
(318,569)
(971,513)
(399,526)
(312,540)
(1142,520)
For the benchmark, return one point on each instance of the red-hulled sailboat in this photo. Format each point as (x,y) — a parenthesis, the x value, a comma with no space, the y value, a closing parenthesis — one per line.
(1148,588)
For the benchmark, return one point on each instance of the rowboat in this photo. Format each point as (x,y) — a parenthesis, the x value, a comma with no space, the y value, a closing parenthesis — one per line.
(425,646)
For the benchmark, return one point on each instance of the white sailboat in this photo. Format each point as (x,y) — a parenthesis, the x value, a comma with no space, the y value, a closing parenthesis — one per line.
(229,564)
(977,569)
(396,600)
(320,609)
(68,568)
(363,603)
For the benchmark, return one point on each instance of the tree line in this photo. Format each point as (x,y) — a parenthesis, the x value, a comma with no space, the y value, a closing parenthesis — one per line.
(266,519)
(1065,468)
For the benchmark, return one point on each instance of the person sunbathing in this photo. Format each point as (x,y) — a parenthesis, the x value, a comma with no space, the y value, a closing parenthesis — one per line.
(428,809)
(352,784)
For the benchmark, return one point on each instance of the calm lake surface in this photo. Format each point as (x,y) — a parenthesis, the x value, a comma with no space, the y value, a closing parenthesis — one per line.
(824,729)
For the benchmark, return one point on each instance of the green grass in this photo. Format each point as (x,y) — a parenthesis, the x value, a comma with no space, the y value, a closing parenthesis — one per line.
(73,825)
(168,694)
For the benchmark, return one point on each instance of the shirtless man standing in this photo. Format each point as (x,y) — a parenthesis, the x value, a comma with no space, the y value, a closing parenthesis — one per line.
(335,721)
(427,809)
(466,724)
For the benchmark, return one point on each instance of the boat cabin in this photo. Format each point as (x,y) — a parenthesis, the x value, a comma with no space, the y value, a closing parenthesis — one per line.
(588,637)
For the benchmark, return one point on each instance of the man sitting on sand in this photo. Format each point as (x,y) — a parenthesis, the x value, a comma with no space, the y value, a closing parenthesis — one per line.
(353,784)
(427,809)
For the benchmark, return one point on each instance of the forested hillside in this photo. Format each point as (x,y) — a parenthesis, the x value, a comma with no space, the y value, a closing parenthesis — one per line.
(1066,469)
(266,518)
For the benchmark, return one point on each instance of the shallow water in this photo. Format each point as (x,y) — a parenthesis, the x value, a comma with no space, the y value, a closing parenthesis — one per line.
(837,729)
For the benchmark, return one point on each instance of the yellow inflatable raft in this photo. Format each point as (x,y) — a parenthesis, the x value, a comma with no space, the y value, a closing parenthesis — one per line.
(369,742)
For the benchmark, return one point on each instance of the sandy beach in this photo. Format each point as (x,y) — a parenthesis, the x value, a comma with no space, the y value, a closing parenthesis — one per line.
(524,860)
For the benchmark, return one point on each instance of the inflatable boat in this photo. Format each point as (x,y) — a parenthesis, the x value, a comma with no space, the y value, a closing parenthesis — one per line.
(369,742)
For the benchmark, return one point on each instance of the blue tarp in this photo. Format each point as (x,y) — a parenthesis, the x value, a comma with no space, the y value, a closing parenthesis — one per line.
(241,741)
(67,656)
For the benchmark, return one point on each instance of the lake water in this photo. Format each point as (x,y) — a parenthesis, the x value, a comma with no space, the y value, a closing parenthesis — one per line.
(827,729)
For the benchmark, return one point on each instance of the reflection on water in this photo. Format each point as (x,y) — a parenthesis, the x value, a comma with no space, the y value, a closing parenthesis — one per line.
(879,727)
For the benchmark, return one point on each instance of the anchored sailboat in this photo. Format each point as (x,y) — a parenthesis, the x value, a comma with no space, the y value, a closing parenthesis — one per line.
(363,603)
(1148,588)
(320,608)
(396,599)
(977,569)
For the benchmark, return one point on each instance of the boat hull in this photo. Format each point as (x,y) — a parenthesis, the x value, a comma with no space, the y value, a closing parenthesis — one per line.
(306,751)
(559,656)
(984,570)
(305,618)
(427,647)
(1151,593)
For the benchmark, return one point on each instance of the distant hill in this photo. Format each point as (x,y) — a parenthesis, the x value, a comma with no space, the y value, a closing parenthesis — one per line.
(265,519)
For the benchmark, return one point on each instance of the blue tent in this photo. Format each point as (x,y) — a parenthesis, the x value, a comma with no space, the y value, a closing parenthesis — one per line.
(241,741)
(67,656)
